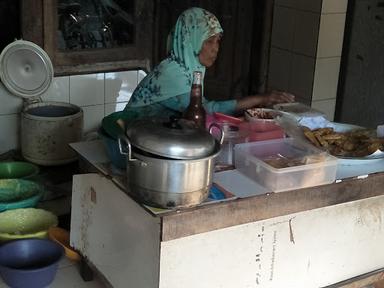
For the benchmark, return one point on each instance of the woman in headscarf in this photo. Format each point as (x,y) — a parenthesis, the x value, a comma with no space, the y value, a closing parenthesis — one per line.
(194,45)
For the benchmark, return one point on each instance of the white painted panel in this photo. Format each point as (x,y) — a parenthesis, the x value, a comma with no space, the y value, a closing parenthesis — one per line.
(118,236)
(308,249)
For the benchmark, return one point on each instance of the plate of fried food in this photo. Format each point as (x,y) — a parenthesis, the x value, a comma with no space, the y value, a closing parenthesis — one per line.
(261,114)
(347,141)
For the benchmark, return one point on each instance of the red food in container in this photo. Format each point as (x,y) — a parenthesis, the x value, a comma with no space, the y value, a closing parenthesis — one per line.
(262,130)
(258,129)
(227,118)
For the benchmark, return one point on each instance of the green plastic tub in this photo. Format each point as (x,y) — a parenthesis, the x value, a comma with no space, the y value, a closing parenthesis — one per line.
(26,223)
(19,193)
(18,169)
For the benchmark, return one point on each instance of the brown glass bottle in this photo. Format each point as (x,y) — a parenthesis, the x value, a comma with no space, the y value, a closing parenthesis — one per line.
(195,111)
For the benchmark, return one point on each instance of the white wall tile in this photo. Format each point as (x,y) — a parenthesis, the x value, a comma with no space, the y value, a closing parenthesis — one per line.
(58,91)
(92,117)
(302,75)
(306,33)
(326,106)
(9,132)
(334,6)
(331,35)
(87,89)
(9,103)
(114,107)
(119,86)
(279,69)
(326,78)
(140,75)
(283,27)
(307,5)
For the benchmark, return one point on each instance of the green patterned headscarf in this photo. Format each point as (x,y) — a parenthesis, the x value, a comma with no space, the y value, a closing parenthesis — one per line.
(173,76)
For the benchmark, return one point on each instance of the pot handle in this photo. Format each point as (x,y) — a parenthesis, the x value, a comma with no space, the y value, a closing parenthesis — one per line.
(214,125)
(126,149)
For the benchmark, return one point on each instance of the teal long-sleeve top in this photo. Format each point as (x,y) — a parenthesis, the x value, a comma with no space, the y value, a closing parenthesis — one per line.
(176,105)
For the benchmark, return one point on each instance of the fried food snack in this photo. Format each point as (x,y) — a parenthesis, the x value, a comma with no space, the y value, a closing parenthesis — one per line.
(355,143)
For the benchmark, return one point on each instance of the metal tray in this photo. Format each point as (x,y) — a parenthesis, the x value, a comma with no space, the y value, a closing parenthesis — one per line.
(293,129)
(342,127)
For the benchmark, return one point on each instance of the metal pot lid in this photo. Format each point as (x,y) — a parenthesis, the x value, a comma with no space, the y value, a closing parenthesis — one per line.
(175,138)
(25,69)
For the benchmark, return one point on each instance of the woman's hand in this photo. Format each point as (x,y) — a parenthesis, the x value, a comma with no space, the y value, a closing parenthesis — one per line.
(276,97)
(264,100)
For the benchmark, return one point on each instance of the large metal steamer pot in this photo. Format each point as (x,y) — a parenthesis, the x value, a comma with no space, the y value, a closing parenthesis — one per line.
(169,165)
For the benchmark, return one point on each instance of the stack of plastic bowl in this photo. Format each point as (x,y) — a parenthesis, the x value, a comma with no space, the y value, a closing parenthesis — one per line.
(26,259)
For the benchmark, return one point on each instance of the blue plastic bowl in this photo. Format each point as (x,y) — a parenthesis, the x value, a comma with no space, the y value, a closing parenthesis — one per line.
(29,263)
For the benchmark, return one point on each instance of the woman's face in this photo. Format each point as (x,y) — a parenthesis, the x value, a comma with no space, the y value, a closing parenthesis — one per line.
(209,50)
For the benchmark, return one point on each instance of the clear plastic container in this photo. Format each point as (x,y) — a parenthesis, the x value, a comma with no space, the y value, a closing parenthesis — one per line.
(232,136)
(298,110)
(285,164)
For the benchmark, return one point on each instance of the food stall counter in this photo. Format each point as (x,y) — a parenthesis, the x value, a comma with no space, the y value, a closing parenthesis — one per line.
(256,237)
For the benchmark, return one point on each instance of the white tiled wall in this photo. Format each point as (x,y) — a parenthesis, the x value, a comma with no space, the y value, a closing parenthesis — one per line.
(98,95)
(326,78)
(307,38)
(331,35)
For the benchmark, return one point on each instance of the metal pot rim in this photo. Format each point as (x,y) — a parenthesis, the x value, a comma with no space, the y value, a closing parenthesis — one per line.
(175,139)
(141,157)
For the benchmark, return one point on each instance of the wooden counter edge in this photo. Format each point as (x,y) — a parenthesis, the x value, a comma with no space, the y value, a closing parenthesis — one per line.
(241,211)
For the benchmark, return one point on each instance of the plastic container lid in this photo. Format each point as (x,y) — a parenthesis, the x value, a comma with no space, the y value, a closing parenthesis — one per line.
(298,110)
(25,69)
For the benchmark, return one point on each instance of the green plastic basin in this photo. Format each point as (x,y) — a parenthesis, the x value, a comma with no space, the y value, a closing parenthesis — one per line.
(12,190)
(26,223)
(18,169)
